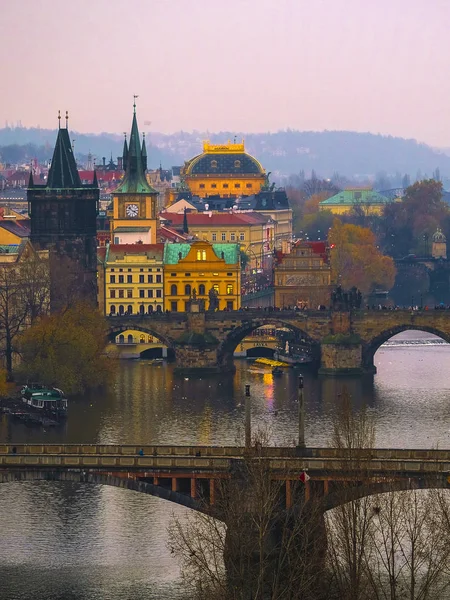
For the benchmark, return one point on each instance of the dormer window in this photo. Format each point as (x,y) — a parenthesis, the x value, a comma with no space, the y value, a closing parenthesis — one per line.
(237,164)
(214,164)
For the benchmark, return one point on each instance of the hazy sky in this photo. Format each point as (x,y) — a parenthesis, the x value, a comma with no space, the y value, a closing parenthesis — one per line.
(240,65)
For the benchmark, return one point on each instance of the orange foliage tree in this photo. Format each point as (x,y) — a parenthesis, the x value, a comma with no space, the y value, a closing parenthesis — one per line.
(356,259)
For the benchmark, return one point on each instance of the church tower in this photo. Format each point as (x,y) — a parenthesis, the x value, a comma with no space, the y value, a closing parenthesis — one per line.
(134,201)
(63,214)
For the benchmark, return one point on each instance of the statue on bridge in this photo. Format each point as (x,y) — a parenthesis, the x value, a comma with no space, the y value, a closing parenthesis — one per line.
(345,301)
(213,300)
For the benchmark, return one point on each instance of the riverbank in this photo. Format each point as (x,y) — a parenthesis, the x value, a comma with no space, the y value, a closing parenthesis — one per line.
(17,409)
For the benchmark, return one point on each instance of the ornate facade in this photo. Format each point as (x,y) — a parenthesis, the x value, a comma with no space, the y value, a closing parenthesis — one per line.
(302,278)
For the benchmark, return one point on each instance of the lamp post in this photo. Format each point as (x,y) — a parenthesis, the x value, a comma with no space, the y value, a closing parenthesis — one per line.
(301,414)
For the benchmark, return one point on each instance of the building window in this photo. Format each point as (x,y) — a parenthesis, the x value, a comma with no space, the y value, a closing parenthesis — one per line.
(158,279)
(214,237)
(139,270)
(173,274)
(229,290)
(141,279)
(173,290)
(129,293)
(112,294)
(241,236)
(229,274)
(225,186)
(112,270)
(157,270)
(112,279)
(121,339)
(230,305)
(150,310)
(150,293)
(120,270)
(214,164)
(214,185)
(150,270)
(129,278)
(149,278)
(248,185)
(113,309)
(141,293)
(216,287)
(121,309)
(120,278)
(233,236)
(130,312)
(187,290)
(159,293)
(201,254)
(202,186)
(237,185)
(223,236)
(173,306)
(141,309)
(121,294)
(187,274)
(201,290)
(237,164)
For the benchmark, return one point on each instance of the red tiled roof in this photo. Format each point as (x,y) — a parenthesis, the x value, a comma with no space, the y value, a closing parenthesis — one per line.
(170,234)
(219,219)
(136,248)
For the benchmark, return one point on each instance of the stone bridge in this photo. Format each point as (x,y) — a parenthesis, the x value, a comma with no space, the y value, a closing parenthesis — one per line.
(190,475)
(342,342)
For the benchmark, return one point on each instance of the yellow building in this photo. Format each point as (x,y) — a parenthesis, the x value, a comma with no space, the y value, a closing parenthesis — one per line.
(252,231)
(133,279)
(134,214)
(193,270)
(364,199)
(14,232)
(225,170)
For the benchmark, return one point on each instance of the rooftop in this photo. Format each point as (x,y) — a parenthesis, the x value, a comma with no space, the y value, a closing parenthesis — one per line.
(354,196)
(173,253)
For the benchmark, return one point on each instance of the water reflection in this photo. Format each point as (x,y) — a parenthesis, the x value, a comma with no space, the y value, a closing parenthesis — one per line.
(75,541)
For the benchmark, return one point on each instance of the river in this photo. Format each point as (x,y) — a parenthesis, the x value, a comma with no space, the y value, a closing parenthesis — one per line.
(73,541)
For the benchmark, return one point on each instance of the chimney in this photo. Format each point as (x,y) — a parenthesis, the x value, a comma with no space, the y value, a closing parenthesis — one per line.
(104,162)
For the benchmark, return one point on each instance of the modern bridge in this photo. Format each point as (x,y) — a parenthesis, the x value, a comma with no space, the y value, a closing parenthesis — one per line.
(191,475)
(342,342)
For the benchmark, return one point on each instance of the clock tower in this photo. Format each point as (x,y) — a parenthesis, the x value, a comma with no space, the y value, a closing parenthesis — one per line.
(134,202)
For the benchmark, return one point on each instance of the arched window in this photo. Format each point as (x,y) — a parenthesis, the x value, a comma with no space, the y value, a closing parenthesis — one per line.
(187,290)
(130,309)
(113,309)
(121,309)
(237,164)
(158,308)
(173,290)
(130,338)
(201,290)
(150,308)
(142,339)
(214,164)
(141,309)
(121,339)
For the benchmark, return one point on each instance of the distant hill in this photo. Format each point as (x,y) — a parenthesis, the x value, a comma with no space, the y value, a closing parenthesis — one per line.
(284,152)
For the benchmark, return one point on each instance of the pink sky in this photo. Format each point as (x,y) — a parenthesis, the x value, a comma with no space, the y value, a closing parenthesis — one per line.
(239,65)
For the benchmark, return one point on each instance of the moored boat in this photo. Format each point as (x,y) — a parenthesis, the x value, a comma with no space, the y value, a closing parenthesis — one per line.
(276,372)
(51,401)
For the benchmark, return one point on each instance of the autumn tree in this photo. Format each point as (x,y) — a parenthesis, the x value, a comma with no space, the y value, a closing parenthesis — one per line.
(66,350)
(312,203)
(356,260)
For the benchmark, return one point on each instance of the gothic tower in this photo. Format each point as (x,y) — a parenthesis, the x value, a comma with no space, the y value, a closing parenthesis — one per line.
(134,201)
(63,215)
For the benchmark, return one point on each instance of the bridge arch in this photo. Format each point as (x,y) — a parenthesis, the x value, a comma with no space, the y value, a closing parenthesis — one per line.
(370,347)
(79,476)
(235,336)
(115,330)
(334,500)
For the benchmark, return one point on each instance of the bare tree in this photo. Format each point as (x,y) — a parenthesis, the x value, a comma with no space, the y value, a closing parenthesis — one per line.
(260,550)
(13,314)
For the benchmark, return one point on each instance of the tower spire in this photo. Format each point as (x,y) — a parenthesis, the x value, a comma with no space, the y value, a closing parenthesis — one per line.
(67,119)
(144,153)
(125,152)
(59,119)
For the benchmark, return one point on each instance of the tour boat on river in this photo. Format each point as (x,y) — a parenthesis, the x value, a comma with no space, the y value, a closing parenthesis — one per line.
(51,401)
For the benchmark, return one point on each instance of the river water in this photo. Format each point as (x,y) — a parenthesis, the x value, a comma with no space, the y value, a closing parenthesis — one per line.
(73,541)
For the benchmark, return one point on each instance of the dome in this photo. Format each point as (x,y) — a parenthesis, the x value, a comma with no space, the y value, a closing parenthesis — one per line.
(439,236)
(224,159)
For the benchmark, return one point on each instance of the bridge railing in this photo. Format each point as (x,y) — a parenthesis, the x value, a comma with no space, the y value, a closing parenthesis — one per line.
(157,450)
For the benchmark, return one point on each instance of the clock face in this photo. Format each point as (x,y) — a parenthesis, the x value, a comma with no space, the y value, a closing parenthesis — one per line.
(132,210)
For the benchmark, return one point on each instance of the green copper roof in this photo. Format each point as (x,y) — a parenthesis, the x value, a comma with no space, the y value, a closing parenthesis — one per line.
(134,181)
(63,172)
(231,253)
(172,253)
(352,197)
